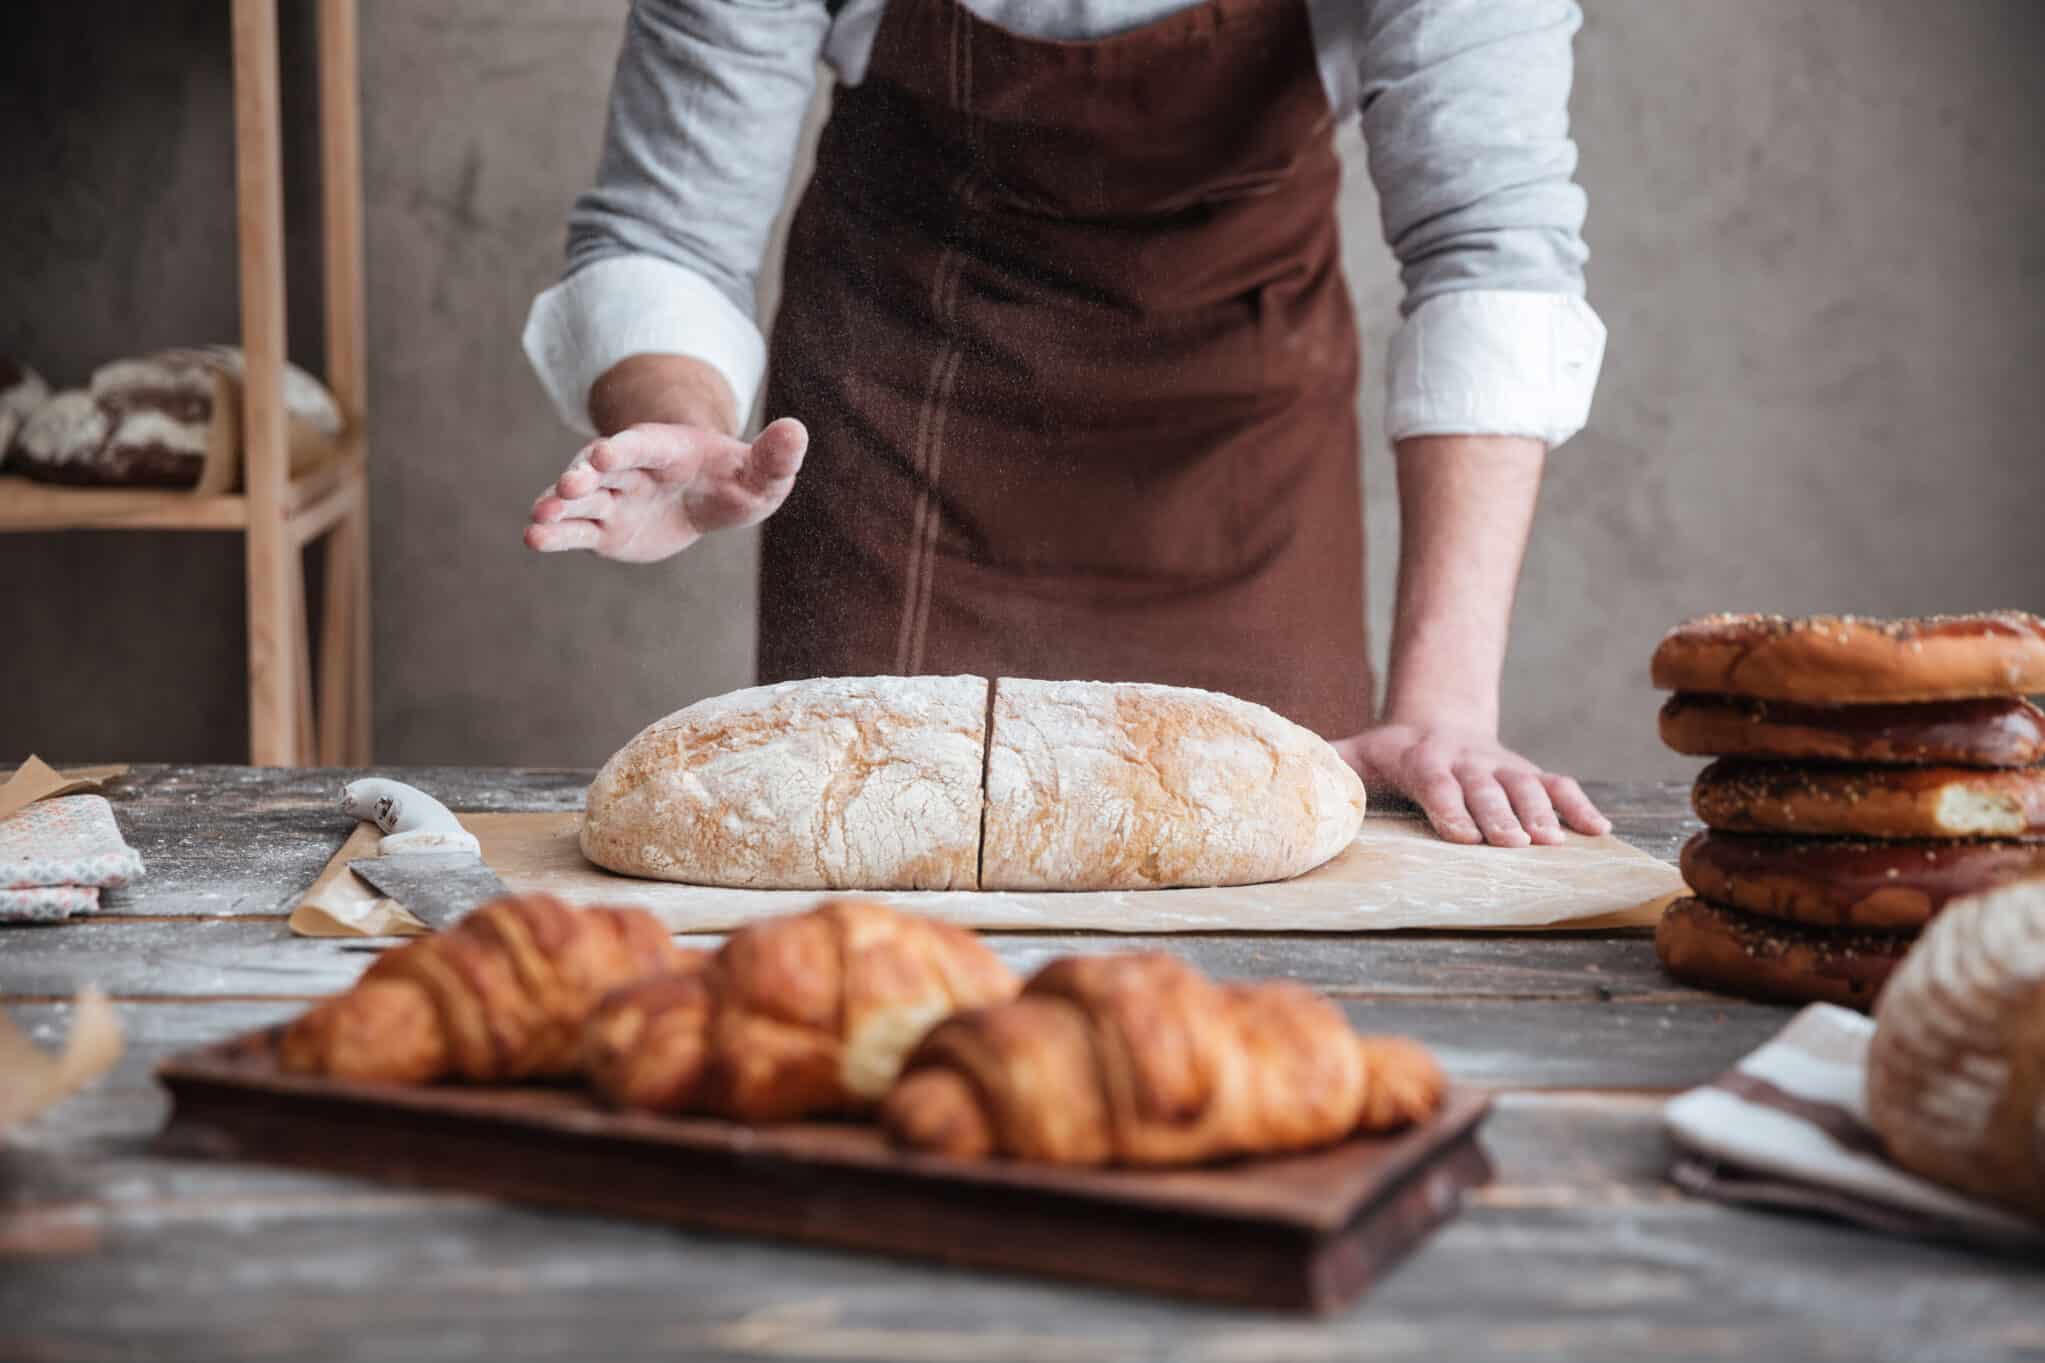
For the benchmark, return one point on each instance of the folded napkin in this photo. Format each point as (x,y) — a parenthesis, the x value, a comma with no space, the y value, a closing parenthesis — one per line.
(1787,1127)
(57,855)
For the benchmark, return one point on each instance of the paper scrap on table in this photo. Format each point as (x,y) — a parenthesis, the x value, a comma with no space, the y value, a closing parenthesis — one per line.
(36,780)
(341,904)
(32,1080)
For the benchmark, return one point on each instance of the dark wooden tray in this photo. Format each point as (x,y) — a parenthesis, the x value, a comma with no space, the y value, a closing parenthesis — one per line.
(1307,1232)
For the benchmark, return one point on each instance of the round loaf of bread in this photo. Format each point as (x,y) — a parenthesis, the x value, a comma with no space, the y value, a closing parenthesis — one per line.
(22,390)
(1739,796)
(61,439)
(1873,886)
(1843,659)
(1729,952)
(1956,1068)
(2004,731)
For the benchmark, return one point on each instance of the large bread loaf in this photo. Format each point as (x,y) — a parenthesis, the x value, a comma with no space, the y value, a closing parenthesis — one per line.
(879,784)
(1956,1069)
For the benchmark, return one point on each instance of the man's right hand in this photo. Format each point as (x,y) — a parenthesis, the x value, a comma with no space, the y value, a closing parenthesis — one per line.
(669,471)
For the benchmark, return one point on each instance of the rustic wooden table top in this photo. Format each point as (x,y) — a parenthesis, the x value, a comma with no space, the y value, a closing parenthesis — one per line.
(112,1246)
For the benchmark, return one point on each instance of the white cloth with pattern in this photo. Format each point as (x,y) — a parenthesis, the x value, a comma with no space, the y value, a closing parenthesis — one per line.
(57,855)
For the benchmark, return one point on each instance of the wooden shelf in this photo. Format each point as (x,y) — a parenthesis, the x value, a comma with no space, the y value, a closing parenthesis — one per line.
(278,513)
(313,501)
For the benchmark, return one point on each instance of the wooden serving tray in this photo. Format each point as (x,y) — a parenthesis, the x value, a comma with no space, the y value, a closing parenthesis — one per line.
(1308,1232)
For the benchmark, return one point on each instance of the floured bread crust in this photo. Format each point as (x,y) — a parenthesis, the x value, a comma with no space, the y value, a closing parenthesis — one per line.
(1956,1068)
(849,783)
(1109,786)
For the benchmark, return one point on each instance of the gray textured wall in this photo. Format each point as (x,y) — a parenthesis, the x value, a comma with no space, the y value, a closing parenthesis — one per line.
(1816,239)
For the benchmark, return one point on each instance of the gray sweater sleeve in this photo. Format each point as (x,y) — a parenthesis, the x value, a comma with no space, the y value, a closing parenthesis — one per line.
(1465,110)
(706,110)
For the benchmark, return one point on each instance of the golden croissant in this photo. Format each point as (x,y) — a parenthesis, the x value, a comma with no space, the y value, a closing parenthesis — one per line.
(500,996)
(1139,1059)
(794,1016)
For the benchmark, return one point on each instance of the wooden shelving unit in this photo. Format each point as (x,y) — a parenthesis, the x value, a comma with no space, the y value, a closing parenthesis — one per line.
(276,514)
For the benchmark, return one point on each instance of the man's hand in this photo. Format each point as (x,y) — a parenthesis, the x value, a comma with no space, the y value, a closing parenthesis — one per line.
(652,490)
(1472,788)
(1466,504)
(669,467)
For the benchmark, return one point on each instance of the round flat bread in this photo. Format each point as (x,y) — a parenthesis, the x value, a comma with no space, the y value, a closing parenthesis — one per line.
(1843,659)
(2003,731)
(1741,796)
(1870,886)
(1730,952)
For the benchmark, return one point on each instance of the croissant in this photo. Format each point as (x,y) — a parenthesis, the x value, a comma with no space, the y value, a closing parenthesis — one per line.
(500,996)
(1139,1059)
(795,1016)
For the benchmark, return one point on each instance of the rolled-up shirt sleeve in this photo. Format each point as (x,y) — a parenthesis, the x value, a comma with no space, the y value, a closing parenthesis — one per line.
(706,110)
(1465,113)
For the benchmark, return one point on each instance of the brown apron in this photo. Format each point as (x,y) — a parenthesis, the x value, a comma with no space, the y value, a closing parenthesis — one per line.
(1068,327)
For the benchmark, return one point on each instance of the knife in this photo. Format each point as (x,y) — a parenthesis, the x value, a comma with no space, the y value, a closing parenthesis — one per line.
(426,860)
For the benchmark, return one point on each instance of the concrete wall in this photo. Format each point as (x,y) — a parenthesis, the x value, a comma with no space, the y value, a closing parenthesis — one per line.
(1816,241)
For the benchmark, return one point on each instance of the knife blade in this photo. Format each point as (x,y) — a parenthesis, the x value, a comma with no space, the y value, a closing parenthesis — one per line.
(426,860)
(437,888)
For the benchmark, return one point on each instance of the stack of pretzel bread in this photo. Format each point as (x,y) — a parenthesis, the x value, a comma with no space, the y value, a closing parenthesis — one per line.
(854,1009)
(1867,773)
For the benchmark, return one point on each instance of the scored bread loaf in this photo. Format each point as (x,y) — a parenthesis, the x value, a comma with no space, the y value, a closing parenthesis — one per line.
(889,783)
(1956,1068)
(1124,786)
(836,784)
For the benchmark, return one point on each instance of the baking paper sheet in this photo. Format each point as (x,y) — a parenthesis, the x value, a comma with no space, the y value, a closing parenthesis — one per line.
(1397,874)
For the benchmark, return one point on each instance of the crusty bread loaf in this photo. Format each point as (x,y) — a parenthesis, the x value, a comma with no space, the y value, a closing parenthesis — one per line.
(1741,796)
(22,390)
(1956,1069)
(168,419)
(835,784)
(1722,949)
(1099,785)
(878,783)
(1834,882)
(1840,660)
(2000,731)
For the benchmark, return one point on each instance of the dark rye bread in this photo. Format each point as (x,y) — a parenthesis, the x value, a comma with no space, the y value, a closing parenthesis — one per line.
(1740,796)
(1844,659)
(1869,886)
(1729,952)
(2005,731)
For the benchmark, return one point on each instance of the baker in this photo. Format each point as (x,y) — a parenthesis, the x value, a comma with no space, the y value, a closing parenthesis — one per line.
(1064,375)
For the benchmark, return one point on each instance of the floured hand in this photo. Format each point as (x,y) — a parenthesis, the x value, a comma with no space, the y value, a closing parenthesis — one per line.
(652,490)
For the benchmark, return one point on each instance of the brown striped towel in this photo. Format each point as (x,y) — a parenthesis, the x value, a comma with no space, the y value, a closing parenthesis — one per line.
(1787,1128)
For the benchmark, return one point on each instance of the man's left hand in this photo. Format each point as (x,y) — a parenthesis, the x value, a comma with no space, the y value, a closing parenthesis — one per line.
(1472,788)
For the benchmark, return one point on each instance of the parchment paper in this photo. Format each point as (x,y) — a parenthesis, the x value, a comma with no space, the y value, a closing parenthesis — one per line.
(36,780)
(32,1080)
(1396,875)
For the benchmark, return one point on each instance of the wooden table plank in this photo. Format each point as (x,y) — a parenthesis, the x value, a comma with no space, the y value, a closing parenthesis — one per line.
(237,957)
(1676,1279)
(240,841)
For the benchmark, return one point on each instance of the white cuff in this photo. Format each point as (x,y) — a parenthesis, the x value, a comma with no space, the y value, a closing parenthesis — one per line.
(637,305)
(1494,362)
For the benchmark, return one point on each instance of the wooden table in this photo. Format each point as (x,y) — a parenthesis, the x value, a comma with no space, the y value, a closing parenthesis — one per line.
(112,1247)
